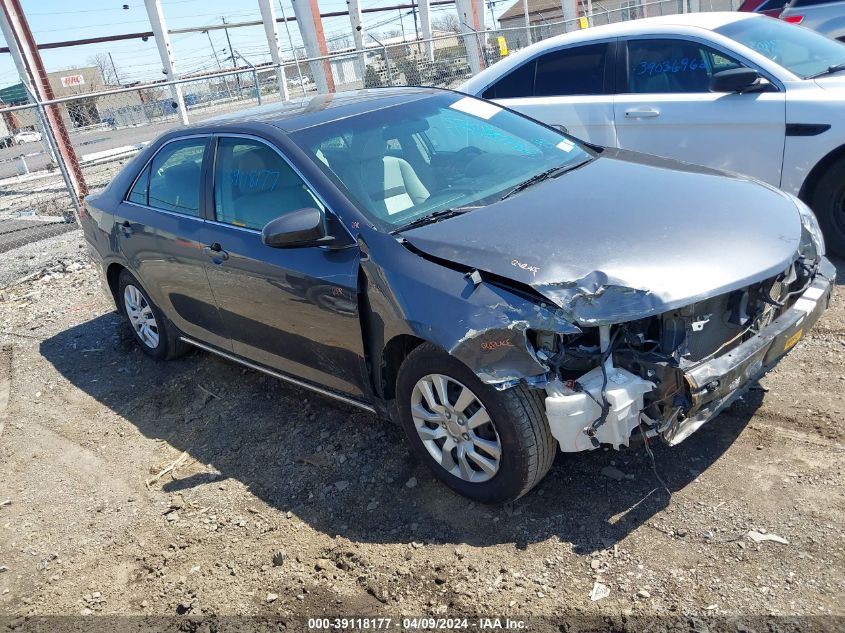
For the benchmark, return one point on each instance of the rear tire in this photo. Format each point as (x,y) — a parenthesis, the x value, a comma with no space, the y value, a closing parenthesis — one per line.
(828,203)
(156,335)
(453,441)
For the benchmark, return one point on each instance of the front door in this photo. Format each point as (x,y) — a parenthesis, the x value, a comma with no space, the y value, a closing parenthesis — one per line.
(159,230)
(294,309)
(668,110)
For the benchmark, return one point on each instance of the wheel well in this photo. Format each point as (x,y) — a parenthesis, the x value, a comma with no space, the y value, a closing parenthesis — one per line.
(112,278)
(809,186)
(394,354)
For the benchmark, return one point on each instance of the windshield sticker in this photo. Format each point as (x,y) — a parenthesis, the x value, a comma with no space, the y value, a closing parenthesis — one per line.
(481,109)
(565,145)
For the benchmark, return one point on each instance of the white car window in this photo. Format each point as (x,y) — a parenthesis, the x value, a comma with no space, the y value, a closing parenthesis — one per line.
(660,66)
(578,70)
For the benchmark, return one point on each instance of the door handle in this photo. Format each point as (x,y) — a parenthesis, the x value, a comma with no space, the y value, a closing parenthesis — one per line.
(216,252)
(126,228)
(642,113)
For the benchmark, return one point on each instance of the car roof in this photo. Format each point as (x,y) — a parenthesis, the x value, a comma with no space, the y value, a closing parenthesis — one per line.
(706,20)
(298,114)
(682,23)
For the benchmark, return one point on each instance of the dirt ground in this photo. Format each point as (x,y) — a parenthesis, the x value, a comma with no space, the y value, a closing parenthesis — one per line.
(280,503)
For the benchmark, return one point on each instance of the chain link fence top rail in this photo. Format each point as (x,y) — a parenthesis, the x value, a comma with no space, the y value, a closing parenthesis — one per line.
(108,127)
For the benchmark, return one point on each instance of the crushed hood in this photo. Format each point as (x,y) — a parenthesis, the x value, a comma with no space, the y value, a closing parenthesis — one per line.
(626,236)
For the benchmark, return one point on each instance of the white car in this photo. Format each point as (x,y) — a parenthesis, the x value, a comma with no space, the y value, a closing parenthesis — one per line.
(27,136)
(739,92)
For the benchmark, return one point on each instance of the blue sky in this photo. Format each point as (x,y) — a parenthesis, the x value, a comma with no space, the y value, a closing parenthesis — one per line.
(57,20)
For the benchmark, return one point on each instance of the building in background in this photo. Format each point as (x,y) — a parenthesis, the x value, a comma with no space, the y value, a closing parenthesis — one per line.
(69,83)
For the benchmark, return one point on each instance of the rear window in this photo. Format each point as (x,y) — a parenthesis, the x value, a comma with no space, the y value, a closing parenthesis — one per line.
(579,70)
(572,71)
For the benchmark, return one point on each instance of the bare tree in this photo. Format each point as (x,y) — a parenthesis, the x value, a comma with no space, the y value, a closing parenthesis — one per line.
(447,22)
(107,69)
(339,43)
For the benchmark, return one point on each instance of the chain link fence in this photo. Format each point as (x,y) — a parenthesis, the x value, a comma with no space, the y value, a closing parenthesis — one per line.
(107,128)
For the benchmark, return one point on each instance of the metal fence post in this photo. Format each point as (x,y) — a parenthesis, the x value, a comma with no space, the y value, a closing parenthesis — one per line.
(387,64)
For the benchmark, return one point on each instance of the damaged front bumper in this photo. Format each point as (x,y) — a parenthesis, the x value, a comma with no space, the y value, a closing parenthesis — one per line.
(716,383)
(607,404)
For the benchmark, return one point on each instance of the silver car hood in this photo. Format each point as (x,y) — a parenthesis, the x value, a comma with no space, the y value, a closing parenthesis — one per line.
(625,236)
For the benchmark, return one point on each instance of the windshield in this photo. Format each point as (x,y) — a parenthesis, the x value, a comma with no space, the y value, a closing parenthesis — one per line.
(799,50)
(447,152)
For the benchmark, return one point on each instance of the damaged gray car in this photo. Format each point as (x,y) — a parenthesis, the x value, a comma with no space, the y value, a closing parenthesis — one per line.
(498,288)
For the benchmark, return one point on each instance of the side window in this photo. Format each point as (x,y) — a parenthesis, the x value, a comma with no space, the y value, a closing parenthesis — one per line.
(175,177)
(572,71)
(253,184)
(139,191)
(518,83)
(673,66)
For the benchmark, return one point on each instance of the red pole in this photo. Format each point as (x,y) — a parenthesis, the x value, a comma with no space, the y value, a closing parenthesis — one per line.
(41,84)
(321,43)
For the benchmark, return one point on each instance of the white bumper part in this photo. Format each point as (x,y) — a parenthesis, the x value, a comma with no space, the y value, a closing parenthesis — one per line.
(571,412)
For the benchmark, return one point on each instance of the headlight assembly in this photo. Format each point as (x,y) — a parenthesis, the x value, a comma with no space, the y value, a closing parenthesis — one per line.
(811,227)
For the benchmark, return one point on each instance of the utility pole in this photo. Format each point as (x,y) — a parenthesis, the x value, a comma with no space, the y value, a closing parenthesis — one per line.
(23,42)
(402,25)
(416,26)
(217,60)
(232,57)
(214,51)
(114,70)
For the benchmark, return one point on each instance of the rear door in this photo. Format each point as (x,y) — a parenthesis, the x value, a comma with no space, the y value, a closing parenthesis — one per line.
(569,88)
(665,107)
(293,309)
(159,229)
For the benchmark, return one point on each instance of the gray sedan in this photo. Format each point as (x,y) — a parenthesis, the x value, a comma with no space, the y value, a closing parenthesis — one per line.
(493,285)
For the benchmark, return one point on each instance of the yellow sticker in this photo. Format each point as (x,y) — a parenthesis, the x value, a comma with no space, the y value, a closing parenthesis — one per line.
(503,46)
(792,340)
(583,23)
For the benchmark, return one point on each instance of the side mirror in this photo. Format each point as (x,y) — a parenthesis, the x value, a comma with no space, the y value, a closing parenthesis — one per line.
(302,227)
(734,80)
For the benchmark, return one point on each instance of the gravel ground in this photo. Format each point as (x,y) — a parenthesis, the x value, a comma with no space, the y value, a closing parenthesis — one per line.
(196,487)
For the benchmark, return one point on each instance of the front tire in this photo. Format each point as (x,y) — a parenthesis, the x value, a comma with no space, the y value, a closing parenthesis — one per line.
(491,446)
(156,335)
(828,203)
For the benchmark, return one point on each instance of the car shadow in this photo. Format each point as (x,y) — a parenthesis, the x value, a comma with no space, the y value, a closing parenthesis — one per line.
(347,473)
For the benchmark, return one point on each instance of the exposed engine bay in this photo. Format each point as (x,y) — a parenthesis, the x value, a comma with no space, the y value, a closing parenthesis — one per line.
(668,374)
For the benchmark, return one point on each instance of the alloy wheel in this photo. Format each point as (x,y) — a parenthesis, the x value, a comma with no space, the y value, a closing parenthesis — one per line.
(455,428)
(141,316)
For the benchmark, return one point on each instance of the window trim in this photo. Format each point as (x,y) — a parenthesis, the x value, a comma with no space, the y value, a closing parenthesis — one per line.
(625,71)
(148,164)
(610,41)
(211,216)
